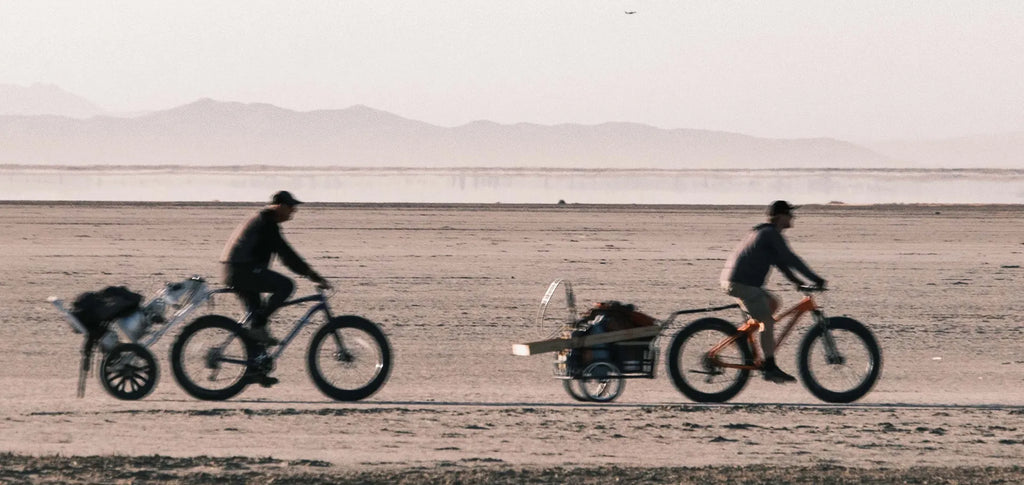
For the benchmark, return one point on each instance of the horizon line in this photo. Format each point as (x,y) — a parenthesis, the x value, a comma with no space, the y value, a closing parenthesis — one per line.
(458,168)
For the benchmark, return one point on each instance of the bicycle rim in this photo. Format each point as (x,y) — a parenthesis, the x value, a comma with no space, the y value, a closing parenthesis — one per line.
(349,359)
(128,372)
(699,377)
(847,373)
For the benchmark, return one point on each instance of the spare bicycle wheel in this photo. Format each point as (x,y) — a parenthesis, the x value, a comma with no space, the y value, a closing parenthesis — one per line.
(566,323)
(128,372)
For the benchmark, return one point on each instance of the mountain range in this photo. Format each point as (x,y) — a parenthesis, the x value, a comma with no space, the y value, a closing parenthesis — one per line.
(47,126)
(44,99)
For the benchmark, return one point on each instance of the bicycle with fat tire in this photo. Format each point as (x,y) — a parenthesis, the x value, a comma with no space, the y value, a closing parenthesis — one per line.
(839,359)
(348,359)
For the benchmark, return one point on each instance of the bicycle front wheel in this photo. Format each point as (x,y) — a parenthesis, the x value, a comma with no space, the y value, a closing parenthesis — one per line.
(210,358)
(349,358)
(699,377)
(842,366)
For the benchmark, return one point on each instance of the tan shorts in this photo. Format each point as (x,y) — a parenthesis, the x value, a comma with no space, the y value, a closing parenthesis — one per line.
(753,300)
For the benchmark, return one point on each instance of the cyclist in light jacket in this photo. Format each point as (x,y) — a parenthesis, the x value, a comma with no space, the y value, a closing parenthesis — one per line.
(747,269)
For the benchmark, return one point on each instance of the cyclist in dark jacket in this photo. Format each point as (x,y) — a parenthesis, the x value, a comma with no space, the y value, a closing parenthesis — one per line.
(747,269)
(247,256)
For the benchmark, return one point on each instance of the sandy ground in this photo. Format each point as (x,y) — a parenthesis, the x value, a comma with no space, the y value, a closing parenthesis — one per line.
(455,286)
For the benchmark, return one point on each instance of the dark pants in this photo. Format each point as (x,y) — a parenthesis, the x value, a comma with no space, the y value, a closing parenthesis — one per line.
(249,282)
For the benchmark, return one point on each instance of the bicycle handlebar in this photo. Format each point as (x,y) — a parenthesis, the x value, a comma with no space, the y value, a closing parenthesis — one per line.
(325,289)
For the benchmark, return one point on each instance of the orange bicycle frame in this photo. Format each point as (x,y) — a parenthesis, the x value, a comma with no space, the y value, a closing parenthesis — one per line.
(750,329)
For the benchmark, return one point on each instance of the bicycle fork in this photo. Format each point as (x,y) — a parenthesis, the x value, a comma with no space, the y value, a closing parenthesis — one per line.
(832,355)
(342,355)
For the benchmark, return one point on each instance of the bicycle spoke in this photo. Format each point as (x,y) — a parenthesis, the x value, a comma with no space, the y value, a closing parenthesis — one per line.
(715,376)
(706,377)
(601,382)
(216,357)
(128,371)
(349,361)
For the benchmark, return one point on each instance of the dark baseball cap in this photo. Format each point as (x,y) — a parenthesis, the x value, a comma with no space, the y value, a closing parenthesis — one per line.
(781,207)
(284,197)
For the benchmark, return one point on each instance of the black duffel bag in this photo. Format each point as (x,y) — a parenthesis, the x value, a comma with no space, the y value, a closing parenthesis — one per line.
(96,309)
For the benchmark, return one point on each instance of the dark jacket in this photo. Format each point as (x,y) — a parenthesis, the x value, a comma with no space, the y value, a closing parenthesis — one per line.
(257,240)
(763,248)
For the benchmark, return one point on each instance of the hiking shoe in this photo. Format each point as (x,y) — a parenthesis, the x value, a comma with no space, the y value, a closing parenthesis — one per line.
(264,380)
(261,377)
(774,374)
(261,335)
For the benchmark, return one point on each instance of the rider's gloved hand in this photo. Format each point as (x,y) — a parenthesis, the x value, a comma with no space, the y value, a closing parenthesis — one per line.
(320,281)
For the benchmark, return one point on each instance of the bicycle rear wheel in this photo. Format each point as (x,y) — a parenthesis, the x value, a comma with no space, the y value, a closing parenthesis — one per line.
(210,358)
(697,376)
(845,373)
(349,358)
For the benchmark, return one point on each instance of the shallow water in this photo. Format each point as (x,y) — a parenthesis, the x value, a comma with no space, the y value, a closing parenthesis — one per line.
(518,186)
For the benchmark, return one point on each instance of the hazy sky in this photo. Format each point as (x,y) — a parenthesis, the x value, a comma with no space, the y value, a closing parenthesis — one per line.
(858,70)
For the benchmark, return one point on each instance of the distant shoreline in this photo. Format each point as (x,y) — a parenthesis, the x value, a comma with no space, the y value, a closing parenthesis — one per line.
(515,206)
(512,185)
(496,170)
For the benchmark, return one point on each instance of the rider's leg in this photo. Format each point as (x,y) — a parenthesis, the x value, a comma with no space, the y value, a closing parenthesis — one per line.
(278,285)
(759,304)
(756,303)
(242,279)
(768,339)
(765,308)
(248,284)
(280,288)
(254,305)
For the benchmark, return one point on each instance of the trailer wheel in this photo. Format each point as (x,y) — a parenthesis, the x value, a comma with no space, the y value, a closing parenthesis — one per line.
(575,389)
(602,382)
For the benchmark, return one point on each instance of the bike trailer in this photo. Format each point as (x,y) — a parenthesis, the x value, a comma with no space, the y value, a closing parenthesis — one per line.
(94,313)
(596,352)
